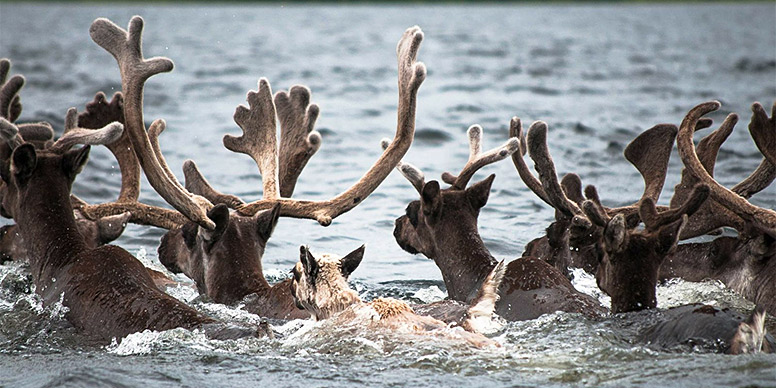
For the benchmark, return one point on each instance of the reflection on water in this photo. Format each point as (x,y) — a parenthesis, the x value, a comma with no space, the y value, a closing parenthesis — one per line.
(599,75)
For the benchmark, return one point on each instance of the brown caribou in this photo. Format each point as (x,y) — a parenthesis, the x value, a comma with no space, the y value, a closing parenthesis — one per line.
(218,248)
(96,232)
(107,292)
(442,225)
(745,263)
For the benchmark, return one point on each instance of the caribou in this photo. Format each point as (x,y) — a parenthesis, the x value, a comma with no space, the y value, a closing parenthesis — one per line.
(41,135)
(319,285)
(108,292)
(648,152)
(442,225)
(745,263)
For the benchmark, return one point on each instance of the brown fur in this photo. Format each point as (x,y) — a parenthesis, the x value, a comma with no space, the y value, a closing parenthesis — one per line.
(226,264)
(746,265)
(721,329)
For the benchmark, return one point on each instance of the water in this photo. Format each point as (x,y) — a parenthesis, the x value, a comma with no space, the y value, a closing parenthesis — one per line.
(599,75)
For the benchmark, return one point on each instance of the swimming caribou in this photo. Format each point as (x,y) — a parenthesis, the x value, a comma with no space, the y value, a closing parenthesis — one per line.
(41,135)
(107,292)
(319,285)
(442,225)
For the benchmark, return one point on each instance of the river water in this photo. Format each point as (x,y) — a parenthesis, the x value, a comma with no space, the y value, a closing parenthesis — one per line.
(599,75)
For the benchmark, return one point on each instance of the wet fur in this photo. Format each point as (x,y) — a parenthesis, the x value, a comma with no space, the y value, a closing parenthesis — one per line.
(747,265)
(226,265)
(722,329)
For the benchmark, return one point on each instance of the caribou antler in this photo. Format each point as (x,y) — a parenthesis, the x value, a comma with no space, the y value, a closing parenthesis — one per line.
(411,76)
(259,139)
(649,153)
(39,134)
(409,171)
(10,105)
(763,130)
(477,159)
(197,184)
(298,142)
(712,215)
(98,113)
(516,130)
(760,218)
(298,139)
(125,46)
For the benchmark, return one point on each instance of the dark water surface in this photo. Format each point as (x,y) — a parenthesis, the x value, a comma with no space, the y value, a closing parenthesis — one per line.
(599,75)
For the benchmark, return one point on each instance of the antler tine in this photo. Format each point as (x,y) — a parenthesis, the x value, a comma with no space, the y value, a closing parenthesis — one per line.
(477,159)
(299,141)
(649,153)
(763,131)
(156,129)
(412,173)
(572,187)
(259,139)
(712,215)
(10,105)
(126,47)
(10,133)
(516,130)
(5,68)
(75,135)
(761,218)
(540,153)
(411,76)
(760,178)
(197,184)
(98,112)
(653,219)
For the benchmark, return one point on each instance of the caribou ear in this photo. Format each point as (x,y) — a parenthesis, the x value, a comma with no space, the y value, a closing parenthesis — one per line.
(189,232)
(668,236)
(23,162)
(478,193)
(431,199)
(266,221)
(614,234)
(75,161)
(111,227)
(309,263)
(5,171)
(349,263)
(219,214)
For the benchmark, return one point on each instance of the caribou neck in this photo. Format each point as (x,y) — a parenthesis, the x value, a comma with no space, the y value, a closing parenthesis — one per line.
(465,262)
(53,240)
